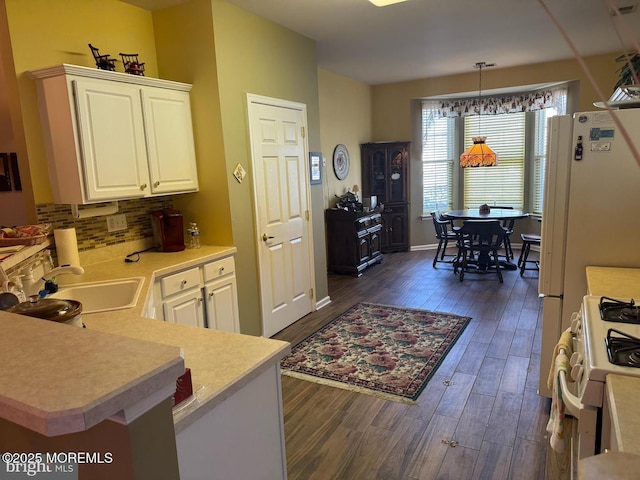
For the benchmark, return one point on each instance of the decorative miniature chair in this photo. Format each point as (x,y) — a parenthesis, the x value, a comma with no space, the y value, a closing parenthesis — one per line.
(103,62)
(131,64)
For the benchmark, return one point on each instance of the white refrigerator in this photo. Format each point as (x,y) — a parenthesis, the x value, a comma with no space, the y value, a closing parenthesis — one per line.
(591,214)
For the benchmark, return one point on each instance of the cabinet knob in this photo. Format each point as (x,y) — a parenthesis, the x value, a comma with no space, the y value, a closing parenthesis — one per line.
(143,186)
(211,294)
(200,299)
(156,183)
(183,283)
(221,270)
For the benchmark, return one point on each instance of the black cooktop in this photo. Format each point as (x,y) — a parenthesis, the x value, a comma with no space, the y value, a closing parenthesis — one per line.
(622,348)
(613,310)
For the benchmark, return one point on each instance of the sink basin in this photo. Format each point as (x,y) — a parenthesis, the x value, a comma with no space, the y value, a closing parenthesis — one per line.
(103,296)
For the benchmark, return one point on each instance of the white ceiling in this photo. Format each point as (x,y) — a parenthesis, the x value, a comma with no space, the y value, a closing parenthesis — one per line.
(433,38)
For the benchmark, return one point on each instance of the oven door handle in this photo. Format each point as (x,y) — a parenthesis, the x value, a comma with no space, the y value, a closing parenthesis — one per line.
(571,402)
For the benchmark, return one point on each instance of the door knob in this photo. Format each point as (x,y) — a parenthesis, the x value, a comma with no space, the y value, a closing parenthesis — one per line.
(265,237)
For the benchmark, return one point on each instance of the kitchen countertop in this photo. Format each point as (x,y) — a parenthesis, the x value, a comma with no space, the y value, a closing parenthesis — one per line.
(221,363)
(58,379)
(622,394)
(613,282)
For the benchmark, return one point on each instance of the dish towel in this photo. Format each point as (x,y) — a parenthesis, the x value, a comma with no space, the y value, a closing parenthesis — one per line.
(566,342)
(556,415)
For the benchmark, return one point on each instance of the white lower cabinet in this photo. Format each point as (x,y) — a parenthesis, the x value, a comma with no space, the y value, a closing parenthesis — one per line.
(203,296)
(241,438)
(185,309)
(221,298)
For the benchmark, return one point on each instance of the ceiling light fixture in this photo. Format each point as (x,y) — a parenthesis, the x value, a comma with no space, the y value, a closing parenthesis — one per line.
(384,3)
(479,154)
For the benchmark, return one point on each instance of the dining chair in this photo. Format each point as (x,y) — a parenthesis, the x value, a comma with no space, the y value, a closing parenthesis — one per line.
(508,224)
(444,234)
(481,237)
(528,239)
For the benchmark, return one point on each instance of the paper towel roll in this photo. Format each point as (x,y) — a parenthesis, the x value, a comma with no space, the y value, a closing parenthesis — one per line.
(66,246)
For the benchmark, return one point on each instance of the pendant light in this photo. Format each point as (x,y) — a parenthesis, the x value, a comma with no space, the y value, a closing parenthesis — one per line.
(384,3)
(479,154)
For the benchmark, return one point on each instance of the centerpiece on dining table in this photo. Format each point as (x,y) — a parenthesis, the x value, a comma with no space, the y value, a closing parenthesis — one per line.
(484,208)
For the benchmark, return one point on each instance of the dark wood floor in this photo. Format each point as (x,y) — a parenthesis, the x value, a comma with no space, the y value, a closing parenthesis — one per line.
(478,418)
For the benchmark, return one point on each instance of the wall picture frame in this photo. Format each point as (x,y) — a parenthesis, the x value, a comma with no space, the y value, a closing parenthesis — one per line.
(15,171)
(5,176)
(315,168)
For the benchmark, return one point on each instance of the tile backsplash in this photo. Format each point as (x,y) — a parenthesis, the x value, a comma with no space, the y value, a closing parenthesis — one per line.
(92,232)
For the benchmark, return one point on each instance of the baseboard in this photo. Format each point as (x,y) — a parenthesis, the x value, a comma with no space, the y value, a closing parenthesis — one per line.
(323,302)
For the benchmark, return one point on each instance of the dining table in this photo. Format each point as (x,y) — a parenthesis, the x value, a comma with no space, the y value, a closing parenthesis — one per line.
(493,214)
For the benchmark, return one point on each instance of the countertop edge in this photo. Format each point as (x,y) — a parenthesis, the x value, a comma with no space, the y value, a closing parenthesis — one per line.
(192,413)
(51,414)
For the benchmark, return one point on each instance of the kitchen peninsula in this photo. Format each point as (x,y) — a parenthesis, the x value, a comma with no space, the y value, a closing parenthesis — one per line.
(235,413)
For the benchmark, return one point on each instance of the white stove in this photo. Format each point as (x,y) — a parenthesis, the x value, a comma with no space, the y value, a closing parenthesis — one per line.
(597,365)
(585,399)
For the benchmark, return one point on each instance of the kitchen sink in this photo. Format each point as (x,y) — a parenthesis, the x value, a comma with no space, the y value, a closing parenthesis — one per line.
(103,296)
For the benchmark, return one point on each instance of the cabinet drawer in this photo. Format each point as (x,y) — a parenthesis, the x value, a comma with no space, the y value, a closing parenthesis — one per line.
(180,282)
(219,268)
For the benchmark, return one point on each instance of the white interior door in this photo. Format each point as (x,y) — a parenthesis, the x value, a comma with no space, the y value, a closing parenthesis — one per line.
(278,150)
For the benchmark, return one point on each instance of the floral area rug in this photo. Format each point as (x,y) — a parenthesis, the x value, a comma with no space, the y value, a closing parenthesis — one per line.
(381,350)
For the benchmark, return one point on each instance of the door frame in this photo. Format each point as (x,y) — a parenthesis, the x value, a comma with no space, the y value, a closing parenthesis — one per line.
(280,103)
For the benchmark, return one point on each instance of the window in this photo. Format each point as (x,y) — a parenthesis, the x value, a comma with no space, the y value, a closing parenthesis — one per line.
(516,129)
(438,155)
(502,184)
(539,156)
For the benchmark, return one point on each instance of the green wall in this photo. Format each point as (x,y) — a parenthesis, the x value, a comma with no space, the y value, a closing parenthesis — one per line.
(259,57)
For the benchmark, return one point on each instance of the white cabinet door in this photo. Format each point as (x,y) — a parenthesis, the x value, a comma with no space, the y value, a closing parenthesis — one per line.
(186,309)
(172,159)
(111,140)
(222,305)
(241,438)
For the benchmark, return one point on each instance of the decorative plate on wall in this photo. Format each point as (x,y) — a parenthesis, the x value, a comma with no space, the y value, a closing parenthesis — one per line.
(341,162)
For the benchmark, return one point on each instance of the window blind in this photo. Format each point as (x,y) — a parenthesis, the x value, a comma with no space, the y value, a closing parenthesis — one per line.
(540,156)
(502,184)
(438,153)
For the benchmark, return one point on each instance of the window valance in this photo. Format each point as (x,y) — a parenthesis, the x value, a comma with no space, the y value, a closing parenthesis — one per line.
(521,102)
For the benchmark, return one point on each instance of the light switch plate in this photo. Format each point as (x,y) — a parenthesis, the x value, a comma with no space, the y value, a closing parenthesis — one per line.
(115,223)
(239,173)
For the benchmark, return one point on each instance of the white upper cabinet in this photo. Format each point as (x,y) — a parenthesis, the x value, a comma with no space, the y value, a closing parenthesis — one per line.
(111,140)
(172,159)
(113,136)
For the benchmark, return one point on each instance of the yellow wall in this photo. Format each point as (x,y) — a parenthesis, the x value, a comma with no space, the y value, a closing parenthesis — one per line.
(188,55)
(45,33)
(394,114)
(345,118)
